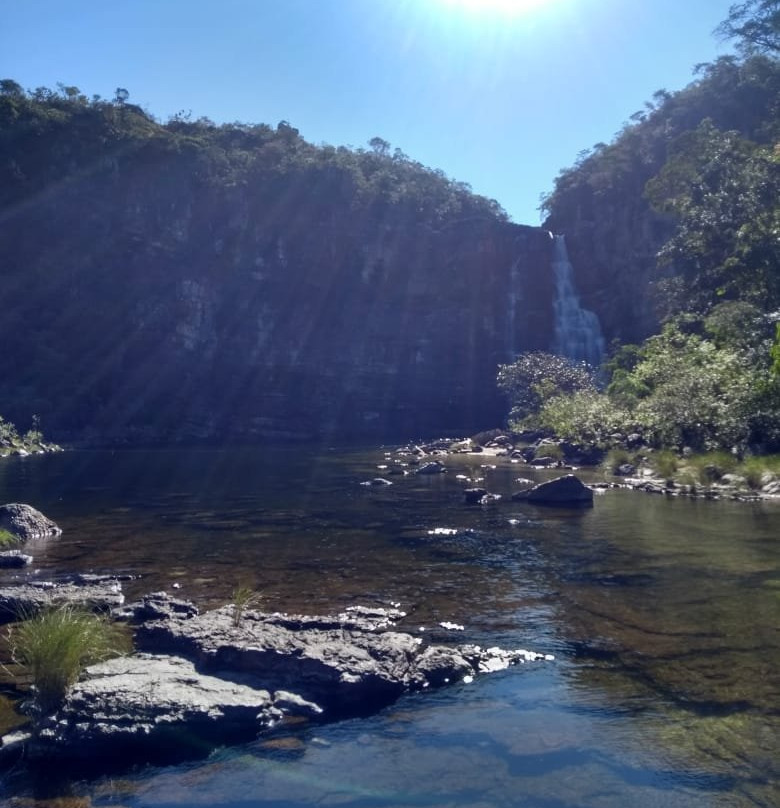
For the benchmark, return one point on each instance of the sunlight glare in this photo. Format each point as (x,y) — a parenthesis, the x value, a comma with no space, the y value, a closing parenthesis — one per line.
(505,8)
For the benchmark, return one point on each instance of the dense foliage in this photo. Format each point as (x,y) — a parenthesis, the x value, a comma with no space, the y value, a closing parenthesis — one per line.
(689,191)
(755,24)
(535,377)
(702,384)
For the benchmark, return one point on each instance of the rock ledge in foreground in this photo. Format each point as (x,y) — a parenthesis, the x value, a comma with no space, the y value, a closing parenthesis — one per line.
(202,680)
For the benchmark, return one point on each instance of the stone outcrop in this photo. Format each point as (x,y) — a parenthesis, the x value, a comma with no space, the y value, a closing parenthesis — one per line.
(25,522)
(217,286)
(148,703)
(566,490)
(201,679)
(348,664)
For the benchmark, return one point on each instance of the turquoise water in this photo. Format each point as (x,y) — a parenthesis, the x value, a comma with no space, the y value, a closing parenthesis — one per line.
(662,616)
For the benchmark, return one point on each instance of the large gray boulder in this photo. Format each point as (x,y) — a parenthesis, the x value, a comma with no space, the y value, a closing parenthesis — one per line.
(566,490)
(25,522)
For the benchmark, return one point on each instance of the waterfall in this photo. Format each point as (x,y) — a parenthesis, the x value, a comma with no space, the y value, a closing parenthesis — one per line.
(514,298)
(577,330)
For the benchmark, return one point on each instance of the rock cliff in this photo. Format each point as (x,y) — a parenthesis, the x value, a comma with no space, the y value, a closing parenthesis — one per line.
(163,286)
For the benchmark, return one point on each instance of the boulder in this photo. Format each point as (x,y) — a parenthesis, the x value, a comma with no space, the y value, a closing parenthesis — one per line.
(474,495)
(14,559)
(147,703)
(544,462)
(566,490)
(25,522)
(434,467)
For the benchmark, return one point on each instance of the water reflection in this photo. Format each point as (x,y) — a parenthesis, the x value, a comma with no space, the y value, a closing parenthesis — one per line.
(662,615)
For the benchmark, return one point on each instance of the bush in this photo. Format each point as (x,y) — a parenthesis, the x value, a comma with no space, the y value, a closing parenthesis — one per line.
(616,458)
(665,464)
(534,378)
(710,467)
(55,645)
(585,417)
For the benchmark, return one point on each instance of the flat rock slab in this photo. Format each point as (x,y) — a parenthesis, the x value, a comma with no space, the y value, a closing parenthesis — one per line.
(19,600)
(348,664)
(201,680)
(150,702)
(25,522)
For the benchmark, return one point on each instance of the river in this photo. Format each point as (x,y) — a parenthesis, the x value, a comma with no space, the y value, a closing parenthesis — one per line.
(662,614)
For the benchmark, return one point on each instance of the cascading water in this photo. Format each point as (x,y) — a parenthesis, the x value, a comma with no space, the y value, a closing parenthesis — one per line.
(514,298)
(577,330)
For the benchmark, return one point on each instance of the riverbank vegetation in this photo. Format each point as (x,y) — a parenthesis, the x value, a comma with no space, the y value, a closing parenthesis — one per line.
(53,646)
(14,442)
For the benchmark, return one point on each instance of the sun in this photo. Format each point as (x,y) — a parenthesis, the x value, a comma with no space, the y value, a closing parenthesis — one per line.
(504,8)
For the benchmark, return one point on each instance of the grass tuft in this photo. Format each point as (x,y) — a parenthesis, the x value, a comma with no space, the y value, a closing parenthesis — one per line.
(244,597)
(55,645)
(665,463)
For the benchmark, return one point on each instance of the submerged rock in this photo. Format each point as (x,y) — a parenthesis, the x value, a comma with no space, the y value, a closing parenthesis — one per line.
(25,522)
(14,558)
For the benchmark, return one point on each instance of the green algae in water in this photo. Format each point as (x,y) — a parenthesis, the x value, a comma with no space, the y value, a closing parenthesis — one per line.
(10,717)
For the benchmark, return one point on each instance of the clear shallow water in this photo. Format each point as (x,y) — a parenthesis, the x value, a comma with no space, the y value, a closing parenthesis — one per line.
(663,616)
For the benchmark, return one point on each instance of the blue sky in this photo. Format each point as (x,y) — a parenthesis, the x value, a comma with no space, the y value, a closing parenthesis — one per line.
(501,94)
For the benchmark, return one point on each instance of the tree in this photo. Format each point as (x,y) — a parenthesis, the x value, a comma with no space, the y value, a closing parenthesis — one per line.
(380,146)
(536,377)
(756,24)
(722,189)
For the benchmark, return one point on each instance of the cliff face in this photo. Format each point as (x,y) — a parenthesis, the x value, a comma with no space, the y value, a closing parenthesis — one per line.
(141,301)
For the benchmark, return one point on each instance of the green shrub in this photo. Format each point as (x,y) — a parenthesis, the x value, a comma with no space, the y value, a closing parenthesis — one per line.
(616,458)
(584,417)
(55,645)
(710,467)
(7,539)
(549,450)
(754,468)
(665,464)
